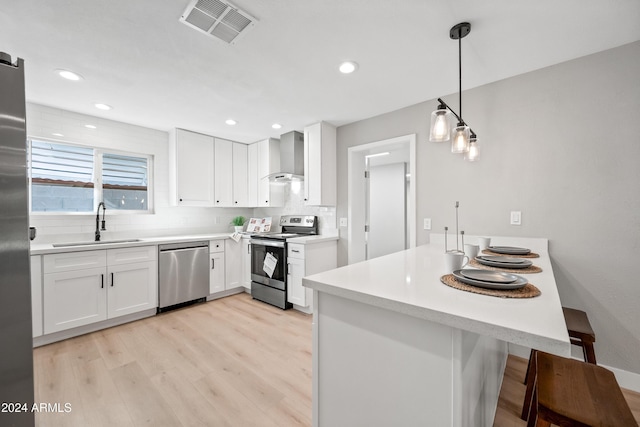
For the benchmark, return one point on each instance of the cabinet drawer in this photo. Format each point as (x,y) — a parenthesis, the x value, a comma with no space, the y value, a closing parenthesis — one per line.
(295,250)
(55,263)
(216,246)
(134,254)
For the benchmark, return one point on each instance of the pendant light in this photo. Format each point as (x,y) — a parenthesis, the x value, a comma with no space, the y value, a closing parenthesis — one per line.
(473,153)
(462,135)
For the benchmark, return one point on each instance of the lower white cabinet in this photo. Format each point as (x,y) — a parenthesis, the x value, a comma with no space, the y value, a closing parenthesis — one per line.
(217,265)
(36,295)
(233,264)
(80,288)
(246,263)
(304,260)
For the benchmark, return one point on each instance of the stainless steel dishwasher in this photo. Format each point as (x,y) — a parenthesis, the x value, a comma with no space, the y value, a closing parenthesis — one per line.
(183,272)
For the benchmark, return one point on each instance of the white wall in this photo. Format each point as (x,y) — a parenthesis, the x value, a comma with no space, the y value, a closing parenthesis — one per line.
(562,145)
(43,121)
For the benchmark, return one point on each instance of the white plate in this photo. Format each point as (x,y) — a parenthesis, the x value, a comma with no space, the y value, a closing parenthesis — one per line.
(509,250)
(489,276)
(520,282)
(505,262)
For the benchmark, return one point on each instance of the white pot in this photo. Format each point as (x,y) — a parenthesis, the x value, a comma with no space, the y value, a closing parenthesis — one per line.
(238,228)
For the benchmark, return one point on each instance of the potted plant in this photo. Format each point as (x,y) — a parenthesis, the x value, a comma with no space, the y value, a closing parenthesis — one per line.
(238,222)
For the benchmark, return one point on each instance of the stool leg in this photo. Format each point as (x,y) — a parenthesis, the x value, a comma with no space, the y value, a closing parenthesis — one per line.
(532,411)
(589,353)
(530,380)
(526,375)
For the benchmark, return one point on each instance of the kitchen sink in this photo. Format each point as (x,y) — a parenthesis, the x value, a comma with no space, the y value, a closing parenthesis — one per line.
(102,242)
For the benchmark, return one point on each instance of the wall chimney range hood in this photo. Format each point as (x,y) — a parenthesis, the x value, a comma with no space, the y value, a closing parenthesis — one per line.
(291,158)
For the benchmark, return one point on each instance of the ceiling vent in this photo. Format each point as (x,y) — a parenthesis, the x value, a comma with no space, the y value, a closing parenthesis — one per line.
(217,18)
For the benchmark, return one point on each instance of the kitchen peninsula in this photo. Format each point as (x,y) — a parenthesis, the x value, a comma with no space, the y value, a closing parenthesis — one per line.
(393,345)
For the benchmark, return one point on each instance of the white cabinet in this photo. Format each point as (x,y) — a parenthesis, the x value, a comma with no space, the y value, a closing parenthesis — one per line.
(233,264)
(191,168)
(246,263)
(223,172)
(36,295)
(304,260)
(320,164)
(240,175)
(217,265)
(269,194)
(80,288)
(252,175)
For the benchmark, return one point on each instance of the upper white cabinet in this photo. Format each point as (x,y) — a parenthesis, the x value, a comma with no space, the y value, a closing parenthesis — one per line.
(191,168)
(269,162)
(320,164)
(252,175)
(240,175)
(223,173)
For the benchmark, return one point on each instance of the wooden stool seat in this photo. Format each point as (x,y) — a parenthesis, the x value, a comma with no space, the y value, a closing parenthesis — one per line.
(570,392)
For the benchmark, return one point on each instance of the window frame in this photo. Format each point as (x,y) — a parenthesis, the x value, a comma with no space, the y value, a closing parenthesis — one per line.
(98,153)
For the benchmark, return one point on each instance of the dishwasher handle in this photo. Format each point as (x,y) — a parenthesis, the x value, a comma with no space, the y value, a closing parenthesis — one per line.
(183,246)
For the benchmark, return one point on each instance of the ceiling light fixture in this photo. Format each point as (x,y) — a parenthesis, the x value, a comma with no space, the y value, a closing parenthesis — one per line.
(57,134)
(348,67)
(231,122)
(463,136)
(104,107)
(276,126)
(90,126)
(69,75)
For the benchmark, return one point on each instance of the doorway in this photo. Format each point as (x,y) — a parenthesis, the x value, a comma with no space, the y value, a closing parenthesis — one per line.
(381,201)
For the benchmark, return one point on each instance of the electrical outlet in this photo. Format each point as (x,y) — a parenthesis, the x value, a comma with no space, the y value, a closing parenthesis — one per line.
(516,218)
(427,223)
(343,222)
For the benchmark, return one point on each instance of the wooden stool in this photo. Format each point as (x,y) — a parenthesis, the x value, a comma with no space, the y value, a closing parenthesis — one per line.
(580,333)
(569,392)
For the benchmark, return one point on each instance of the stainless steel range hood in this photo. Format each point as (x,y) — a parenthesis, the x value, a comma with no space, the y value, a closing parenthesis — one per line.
(291,158)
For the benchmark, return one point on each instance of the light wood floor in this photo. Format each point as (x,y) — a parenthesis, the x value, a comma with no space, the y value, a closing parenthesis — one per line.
(229,362)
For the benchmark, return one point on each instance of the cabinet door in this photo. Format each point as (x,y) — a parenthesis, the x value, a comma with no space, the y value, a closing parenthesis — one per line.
(36,294)
(232,264)
(74,298)
(320,164)
(246,263)
(252,175)
(240,175)
(132,288)
(223,173)
(216,278)
(296,293)
(268,163)
(194,169)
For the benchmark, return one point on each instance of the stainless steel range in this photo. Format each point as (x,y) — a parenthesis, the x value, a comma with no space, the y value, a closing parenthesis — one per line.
(269,259)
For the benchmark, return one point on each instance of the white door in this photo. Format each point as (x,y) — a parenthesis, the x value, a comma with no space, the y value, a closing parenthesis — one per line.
(296,293)
(240,175)
(387,210)
(216,274)
(223,161)
(132,288)
(194,154)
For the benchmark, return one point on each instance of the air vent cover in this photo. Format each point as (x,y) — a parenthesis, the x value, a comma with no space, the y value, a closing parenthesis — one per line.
(218,19)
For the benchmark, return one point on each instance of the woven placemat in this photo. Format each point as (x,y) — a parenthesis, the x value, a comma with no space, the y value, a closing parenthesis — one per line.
(529,255)
(528,291)
(530,269)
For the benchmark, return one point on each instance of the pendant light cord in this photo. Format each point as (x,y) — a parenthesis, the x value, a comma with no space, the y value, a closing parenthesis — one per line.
(460,71)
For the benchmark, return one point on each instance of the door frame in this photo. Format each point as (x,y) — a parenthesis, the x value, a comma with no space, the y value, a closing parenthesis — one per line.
(356,212)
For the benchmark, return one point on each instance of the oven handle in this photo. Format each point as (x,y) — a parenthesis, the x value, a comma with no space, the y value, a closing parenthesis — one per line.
(272,243)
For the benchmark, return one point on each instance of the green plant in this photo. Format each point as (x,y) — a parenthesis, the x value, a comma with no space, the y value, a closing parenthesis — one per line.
(238,221)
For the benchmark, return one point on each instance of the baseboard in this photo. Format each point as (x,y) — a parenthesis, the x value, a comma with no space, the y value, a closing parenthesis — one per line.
(626,379)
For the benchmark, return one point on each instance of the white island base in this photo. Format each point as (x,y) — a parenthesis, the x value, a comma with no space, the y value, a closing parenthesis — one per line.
(382,368)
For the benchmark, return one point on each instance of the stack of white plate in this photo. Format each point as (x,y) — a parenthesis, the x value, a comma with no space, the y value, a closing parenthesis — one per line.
(490,279)
(503,262)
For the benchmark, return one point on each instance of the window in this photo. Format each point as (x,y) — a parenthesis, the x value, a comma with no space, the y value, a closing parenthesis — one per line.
(73,178)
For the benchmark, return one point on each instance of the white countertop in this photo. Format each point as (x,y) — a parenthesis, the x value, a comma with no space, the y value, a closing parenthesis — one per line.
(409,282)
(309,240)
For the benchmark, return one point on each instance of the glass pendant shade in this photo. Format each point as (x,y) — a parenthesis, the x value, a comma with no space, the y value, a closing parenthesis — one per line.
(440,127)
(460,142)
(474,151)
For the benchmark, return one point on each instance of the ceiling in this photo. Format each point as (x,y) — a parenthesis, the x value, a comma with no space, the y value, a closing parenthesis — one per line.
(159,73)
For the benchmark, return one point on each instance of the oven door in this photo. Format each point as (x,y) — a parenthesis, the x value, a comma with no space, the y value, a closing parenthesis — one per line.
(259,250)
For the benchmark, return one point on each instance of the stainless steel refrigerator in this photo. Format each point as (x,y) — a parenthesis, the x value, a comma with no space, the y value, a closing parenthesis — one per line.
(16,342)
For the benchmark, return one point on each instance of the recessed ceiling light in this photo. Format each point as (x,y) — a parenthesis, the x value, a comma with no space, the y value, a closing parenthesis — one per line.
(57,134)
(348,67)
(101,106)
(231,122)
(90,126)
(276,126)
(69,75)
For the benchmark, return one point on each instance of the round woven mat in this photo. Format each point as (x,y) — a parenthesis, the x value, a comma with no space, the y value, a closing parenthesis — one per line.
(530,269)
(529,255)
(528,291)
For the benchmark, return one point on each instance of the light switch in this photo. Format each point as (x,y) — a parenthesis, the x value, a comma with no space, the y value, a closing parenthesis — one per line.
(427,223)
(516,218)
(343,222)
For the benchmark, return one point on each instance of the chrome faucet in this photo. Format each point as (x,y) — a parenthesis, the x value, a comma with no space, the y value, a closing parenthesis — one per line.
(103,228)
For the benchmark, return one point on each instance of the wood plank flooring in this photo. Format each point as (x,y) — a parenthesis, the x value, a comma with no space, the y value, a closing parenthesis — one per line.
(229,362)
